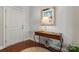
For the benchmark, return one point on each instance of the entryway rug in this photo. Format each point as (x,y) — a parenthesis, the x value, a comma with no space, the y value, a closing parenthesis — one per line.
(35,49)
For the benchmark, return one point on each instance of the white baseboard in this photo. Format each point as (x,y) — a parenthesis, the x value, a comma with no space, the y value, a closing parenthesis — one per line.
(28,38)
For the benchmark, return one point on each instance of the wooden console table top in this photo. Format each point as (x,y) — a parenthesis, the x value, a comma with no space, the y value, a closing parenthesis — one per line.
(51,35)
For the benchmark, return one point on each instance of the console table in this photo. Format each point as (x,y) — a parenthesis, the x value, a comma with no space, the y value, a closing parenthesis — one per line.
(52,35)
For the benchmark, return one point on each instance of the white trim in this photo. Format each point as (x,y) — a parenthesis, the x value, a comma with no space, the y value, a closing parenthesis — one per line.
(28,38)
(4,24)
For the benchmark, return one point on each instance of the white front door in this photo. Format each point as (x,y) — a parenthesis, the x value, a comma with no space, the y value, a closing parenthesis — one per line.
(14,21)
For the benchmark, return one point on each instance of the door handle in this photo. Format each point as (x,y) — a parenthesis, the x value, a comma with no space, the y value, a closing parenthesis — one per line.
(22,26)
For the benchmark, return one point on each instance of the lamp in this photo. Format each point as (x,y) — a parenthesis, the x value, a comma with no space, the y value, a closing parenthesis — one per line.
(46,21)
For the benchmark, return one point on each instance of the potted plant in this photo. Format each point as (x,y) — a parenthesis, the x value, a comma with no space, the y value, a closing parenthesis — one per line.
(72,48)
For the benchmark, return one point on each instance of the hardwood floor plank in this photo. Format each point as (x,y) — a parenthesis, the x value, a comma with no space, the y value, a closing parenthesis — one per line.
(23,45)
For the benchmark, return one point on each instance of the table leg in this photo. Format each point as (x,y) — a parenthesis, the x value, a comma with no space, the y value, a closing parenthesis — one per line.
(34,39)
(39,39)
(61,41)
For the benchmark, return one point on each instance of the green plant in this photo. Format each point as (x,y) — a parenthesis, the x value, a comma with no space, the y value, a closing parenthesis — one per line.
(71,48)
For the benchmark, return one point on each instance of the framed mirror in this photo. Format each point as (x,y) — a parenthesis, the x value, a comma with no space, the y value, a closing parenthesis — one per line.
(48,17)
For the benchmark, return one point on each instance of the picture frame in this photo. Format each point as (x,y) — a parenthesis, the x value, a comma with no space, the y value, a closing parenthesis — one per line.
(49,12)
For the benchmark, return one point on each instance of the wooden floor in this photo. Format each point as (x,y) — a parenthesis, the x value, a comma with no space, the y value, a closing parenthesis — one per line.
(25,44)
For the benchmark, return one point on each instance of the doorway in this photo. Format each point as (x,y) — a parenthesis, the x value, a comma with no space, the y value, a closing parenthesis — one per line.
(14,25)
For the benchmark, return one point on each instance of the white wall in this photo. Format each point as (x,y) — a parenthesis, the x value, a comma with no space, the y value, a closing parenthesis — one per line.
(64,21)
(76,25)
(1,27)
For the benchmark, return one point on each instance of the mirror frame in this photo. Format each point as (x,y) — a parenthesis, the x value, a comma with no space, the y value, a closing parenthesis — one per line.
(53,15)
